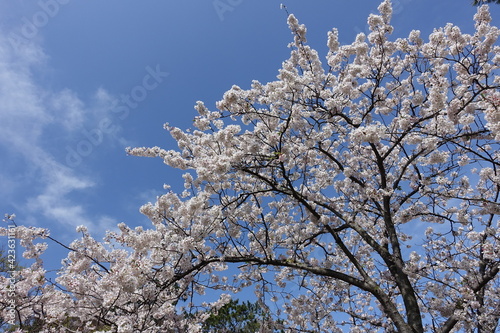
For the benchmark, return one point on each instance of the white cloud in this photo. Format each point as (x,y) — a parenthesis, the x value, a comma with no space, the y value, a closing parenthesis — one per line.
(149,195)
(21,112)
(58,182)
(69,109)
(45,187)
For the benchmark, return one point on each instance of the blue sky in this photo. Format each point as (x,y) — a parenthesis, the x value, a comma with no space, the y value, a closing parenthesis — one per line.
(82,80)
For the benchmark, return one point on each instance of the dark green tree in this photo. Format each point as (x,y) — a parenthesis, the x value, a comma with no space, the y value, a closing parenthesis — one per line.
(3,261)
(235,317)
(7,264)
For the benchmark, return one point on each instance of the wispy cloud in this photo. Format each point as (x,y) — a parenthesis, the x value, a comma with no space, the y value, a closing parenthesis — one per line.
(69,108)
(39,184)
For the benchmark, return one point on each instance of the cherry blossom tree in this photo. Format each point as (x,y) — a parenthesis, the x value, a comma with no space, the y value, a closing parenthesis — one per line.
(359,193)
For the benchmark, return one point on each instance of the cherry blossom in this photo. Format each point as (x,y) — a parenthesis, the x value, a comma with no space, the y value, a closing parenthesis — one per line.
(356,193)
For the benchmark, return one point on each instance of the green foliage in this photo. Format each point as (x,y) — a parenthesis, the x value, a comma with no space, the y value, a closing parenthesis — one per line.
(3,262)
(31,326)
(7,263)
(234,317)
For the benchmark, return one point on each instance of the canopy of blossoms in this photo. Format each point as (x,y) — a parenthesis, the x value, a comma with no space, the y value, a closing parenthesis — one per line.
(357,192)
